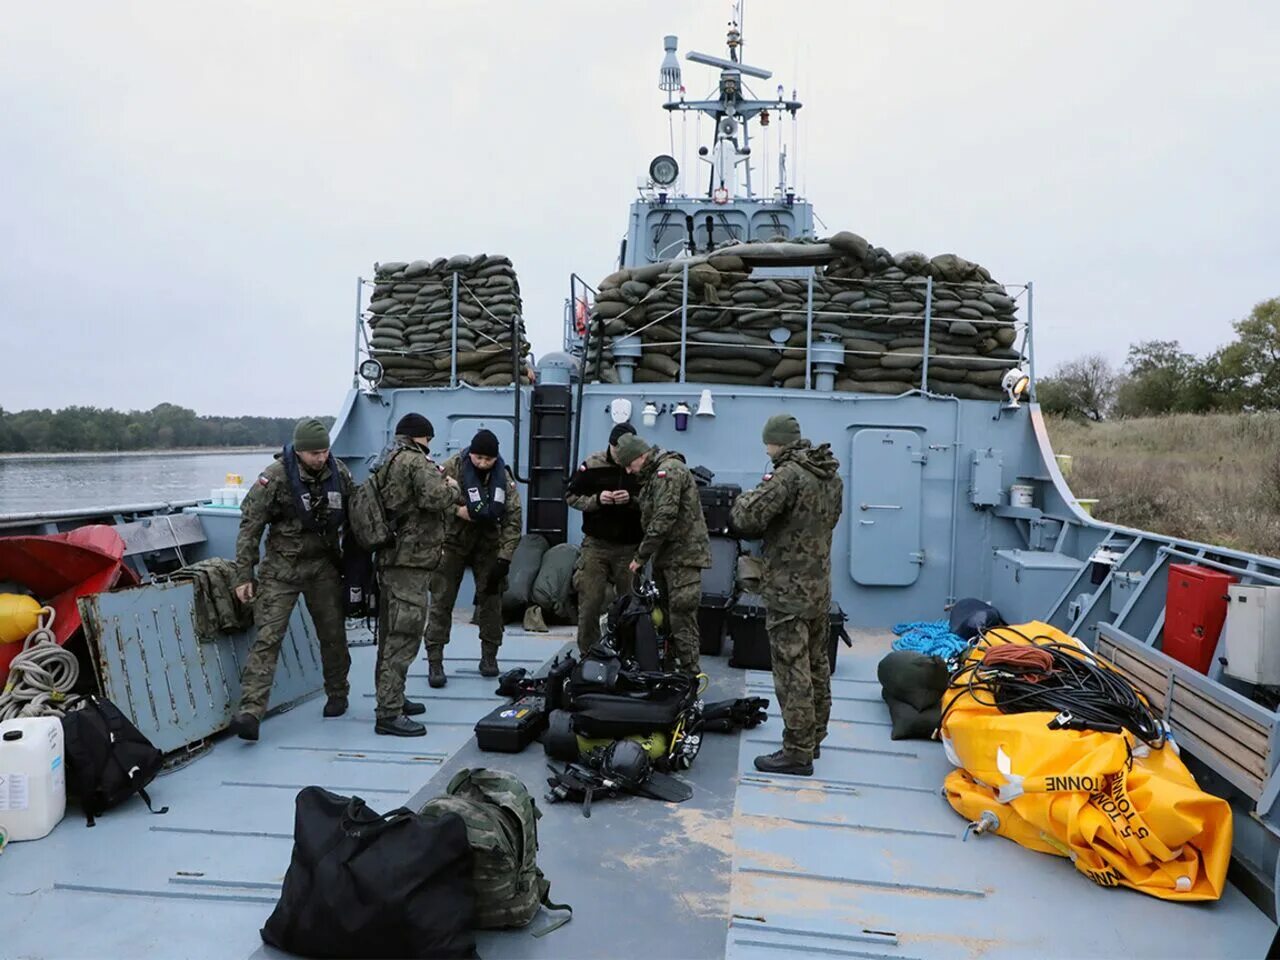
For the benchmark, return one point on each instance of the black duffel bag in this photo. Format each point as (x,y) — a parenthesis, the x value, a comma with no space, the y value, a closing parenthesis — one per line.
(362,885)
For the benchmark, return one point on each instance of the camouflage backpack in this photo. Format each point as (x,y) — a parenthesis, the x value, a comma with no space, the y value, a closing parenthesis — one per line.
(367,515)
(502,827)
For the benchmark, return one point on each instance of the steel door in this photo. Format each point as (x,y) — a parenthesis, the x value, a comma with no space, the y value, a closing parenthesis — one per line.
(885,469)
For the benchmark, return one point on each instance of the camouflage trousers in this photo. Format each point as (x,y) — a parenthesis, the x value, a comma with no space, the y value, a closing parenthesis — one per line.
(402,613)
(801,679)
(445,582)
(600,564)
(682,592)
(272,607)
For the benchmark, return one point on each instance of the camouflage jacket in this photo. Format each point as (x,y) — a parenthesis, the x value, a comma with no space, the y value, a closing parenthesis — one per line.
(417,500)
(293,552)
(675,532)
(465,536)
(794,509)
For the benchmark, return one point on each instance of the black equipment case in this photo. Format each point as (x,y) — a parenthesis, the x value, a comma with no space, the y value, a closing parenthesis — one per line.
(717,505)
(513,726)
(751,639)
(718,589)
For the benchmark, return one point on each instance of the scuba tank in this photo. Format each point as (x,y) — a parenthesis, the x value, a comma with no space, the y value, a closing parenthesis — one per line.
(19,615)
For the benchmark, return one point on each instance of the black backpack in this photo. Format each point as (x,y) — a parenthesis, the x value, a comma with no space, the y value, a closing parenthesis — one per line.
(108,759)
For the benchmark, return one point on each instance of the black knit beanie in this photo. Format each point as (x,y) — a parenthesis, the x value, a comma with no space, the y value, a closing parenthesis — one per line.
(484,443)
(415,425)
(620,431)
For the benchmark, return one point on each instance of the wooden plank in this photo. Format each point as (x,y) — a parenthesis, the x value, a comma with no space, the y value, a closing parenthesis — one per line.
(1242,755)
(1187,700)
(1146,677)
(1223,764)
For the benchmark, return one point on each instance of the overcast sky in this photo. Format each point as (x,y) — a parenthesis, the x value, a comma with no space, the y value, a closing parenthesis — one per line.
(190,190)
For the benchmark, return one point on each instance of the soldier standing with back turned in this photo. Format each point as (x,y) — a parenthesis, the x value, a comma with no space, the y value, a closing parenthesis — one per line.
(300,500)
(605,493)
(794,509)
(675,540)
(417,498)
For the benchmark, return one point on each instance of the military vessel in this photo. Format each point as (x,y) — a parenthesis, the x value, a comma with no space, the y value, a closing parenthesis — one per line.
(950,493)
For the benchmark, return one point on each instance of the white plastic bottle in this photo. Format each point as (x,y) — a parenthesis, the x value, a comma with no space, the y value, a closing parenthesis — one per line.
(33,780)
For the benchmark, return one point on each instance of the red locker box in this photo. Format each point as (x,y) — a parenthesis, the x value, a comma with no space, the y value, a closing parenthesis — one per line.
(1194,611)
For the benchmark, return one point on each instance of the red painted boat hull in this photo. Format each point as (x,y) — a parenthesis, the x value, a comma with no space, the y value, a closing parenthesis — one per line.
(60,568)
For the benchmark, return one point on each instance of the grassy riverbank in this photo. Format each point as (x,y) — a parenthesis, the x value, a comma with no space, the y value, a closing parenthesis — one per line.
(1213,477)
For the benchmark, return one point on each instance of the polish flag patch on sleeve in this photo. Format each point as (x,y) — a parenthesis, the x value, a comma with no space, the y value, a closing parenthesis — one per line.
(662,474)
(768,476)
(264,479)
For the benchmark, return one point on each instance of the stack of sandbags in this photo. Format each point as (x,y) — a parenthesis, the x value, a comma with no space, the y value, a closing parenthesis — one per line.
(410,316)
(747,328)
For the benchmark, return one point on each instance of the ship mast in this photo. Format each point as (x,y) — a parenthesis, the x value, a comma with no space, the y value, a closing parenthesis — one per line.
(731,112)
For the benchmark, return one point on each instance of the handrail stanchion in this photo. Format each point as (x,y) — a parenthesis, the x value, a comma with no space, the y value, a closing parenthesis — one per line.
(928,327)
(453,347)
(808,334)
(1029,345)
(684,316)
(355,369)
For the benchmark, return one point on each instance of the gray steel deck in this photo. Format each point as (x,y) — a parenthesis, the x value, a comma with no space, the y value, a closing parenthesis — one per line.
(865,860)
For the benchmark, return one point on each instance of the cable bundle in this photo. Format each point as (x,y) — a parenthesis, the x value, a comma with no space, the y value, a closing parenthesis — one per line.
(1057,678)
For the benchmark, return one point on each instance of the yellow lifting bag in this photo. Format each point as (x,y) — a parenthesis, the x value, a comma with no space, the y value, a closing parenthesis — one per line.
(1126,814)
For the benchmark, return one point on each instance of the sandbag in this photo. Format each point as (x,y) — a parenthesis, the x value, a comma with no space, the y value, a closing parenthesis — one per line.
(553,587)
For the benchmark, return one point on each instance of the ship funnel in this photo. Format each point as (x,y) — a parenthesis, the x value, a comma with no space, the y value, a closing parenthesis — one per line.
(669,75)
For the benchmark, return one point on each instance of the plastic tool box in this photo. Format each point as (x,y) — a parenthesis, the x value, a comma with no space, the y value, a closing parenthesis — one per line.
(751,639)
(718,589)
(717,505)
(513,726)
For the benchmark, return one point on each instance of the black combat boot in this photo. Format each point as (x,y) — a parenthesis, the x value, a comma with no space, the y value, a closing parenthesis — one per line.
(488,661)
(335,706)
(412,708)
(400,727)
(245,726)
(779,762)
(435,674)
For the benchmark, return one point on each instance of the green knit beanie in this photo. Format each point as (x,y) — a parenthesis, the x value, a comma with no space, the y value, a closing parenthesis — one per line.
(782,429)
(631,446)
(310,435)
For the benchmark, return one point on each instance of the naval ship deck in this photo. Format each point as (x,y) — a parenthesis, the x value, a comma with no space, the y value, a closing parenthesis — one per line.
(865,859)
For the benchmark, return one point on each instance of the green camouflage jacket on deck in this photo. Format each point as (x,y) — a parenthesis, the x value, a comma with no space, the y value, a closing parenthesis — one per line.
(417,500)
(795,508)
(464,535)
(292,552)
(675,532)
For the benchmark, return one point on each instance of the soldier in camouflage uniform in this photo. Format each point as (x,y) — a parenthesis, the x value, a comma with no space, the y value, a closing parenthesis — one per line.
(417,499)
(675,540)
(482,533)
(611,531)
(300,500)
(795,509)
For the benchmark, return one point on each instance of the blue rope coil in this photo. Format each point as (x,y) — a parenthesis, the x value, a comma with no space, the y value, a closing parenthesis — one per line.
(933,638)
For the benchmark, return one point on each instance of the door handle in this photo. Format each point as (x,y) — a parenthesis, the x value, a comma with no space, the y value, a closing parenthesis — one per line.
(879,506)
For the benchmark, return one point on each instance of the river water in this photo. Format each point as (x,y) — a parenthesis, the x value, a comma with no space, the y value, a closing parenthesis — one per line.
(66,481)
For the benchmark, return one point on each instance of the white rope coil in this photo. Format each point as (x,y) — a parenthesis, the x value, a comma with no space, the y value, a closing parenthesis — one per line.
(41,676)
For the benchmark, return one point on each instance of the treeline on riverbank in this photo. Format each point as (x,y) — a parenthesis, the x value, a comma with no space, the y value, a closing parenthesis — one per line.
(164,427)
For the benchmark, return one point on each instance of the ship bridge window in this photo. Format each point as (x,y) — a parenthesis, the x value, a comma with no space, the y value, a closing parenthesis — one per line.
(719,229)
(771,225)
(670,235)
